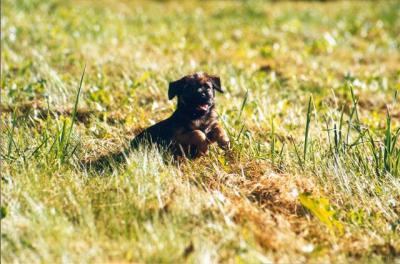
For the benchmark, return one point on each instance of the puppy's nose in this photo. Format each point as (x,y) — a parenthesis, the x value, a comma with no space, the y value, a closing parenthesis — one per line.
(203,94)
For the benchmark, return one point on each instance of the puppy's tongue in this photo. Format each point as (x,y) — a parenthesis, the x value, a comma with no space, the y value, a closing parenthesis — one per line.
(203,107)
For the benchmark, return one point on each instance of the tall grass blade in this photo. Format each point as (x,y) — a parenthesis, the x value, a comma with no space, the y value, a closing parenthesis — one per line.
(272,141)
(65,146)
(297,153)
(340,143)
(11,135)
(243,104)
(75,106)
(355,103)
(306,136)
(387,143)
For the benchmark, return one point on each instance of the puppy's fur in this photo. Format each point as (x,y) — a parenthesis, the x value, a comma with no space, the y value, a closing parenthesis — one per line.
(194,125)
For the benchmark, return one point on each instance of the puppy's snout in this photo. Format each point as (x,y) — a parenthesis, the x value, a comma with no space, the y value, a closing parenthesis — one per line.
(203,95)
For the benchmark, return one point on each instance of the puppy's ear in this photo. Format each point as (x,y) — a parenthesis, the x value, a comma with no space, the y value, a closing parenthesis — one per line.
(216,82)
(175,88)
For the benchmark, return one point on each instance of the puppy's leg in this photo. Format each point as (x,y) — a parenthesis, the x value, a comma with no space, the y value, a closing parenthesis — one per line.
(219,135)
(194,138)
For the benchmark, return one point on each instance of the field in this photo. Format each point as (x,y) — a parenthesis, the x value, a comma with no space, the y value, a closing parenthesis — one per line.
(311,105)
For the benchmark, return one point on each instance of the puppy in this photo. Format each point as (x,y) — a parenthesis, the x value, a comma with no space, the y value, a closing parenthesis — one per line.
(194,124)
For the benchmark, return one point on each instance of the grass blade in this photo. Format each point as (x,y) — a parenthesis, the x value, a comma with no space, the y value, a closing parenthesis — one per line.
(243,104)
(306,136)
(74,111)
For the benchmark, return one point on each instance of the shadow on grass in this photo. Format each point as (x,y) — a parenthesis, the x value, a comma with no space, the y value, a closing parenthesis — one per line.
(138,145)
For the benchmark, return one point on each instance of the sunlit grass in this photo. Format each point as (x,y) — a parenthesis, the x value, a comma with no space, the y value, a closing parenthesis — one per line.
(311,107)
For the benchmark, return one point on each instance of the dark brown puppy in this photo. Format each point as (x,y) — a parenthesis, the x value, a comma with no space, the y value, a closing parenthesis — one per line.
(194,125)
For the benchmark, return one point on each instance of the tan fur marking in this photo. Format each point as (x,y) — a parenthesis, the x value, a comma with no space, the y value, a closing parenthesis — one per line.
(195,138)
(218,134)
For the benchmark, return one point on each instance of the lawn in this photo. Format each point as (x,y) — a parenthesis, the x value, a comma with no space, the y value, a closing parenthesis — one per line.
(311,105)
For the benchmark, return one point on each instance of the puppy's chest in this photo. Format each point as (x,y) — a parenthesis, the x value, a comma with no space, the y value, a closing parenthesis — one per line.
(203,125)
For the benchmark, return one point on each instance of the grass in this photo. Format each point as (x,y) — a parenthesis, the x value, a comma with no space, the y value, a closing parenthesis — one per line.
(320,78)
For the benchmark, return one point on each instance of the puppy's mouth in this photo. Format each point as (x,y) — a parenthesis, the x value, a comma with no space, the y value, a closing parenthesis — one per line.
(203,107)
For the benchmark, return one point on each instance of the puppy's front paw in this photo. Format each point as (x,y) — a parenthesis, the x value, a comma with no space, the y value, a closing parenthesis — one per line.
(224,143)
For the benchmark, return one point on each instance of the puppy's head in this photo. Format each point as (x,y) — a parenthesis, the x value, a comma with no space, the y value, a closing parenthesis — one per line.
(195,93)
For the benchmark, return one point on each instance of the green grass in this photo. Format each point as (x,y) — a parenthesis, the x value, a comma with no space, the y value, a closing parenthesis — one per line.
(314,174)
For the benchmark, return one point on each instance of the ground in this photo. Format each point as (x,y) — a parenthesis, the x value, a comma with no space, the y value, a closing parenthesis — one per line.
(311,107)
